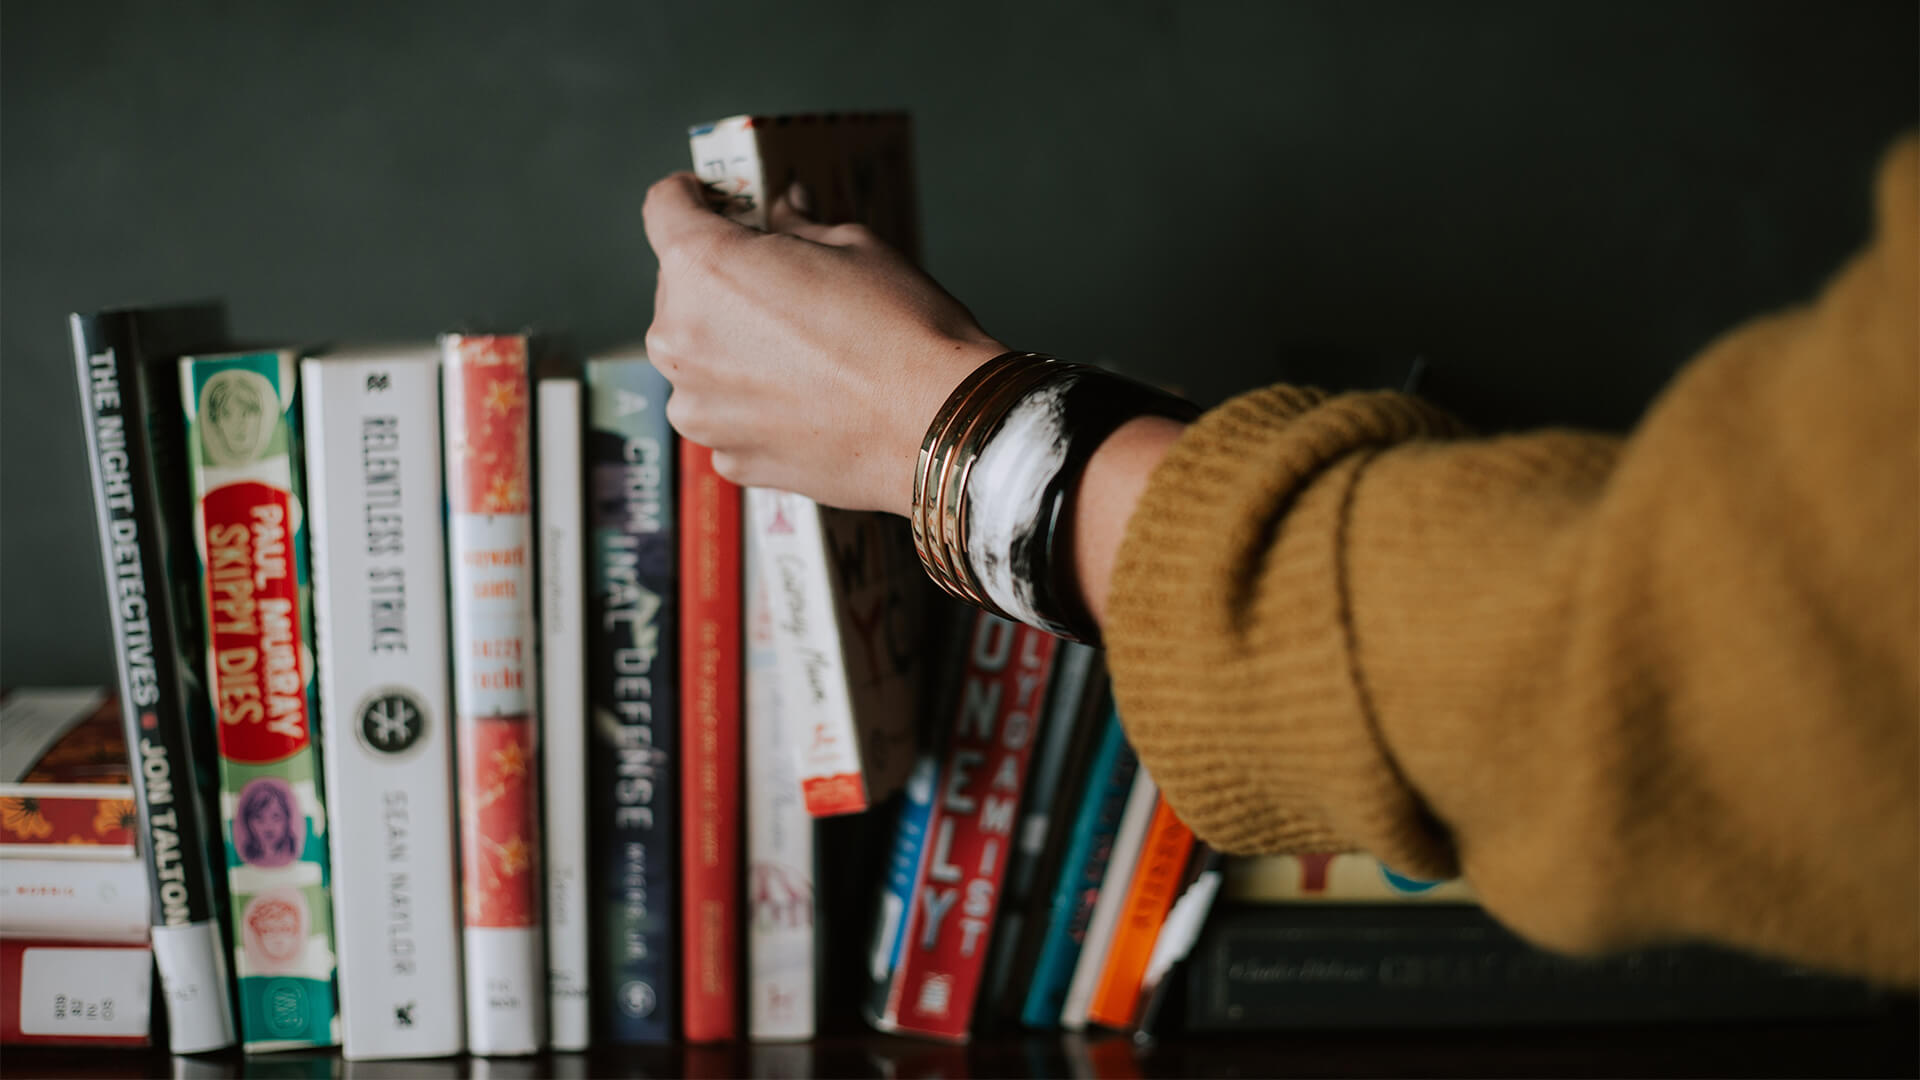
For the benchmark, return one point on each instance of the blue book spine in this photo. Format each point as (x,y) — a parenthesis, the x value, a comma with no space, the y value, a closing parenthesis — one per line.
(633,720)
(1109,779)
(903,869)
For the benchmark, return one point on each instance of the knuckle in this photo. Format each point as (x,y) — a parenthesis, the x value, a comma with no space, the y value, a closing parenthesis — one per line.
(852,234)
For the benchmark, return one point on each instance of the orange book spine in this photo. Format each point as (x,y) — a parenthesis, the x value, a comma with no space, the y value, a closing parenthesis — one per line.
(1156,881)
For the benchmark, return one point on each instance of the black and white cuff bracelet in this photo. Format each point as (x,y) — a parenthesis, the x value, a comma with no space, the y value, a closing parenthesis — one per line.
(998,471)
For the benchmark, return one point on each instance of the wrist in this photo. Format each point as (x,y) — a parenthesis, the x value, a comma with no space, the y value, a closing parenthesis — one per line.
(928,386)
(1115,478)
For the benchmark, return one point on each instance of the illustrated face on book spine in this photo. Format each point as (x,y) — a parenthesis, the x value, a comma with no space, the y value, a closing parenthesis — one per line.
(234,410)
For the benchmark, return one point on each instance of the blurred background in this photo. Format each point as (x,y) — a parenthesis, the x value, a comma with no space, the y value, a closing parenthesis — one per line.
(1558,202)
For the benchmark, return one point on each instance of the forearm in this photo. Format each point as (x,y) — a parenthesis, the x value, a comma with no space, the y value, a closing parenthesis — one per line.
(1115,476)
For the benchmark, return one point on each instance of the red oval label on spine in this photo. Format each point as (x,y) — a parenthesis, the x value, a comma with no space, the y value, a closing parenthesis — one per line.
(253,616)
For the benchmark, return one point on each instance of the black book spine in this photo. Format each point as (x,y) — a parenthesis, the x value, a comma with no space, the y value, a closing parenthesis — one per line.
(633,703)
(1262,968)
(188,945)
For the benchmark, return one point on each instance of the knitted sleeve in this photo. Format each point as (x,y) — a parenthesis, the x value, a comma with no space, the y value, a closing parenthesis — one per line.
(1640,689)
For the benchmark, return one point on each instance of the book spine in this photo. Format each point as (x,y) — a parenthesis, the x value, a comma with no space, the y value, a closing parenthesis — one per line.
(710,635)
(67,821)
(1290,967)
(903,867)
(75,993)
(971,831)
(633,677)
(243,443)
(90,900)
(485,403)
(380,620)
(781,893)
(1156,880)
(563,709)
(1014,938)
(1082,867)
(1105,919)
(175,838)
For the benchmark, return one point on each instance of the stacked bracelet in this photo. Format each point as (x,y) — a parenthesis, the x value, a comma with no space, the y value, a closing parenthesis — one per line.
(998,470)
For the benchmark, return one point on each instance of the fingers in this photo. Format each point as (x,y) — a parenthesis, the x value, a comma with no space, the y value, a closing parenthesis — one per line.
(678,218)
(792,214)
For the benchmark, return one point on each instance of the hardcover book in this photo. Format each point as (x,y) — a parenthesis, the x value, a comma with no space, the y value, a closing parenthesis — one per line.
(243,446)
(484,402)
(65,788)
(75,993)
(950,921)
(1112,893)
(710,679)
(1083,866)
(380,620)
(133,433)
(563,712)
(781,893)
(847,588)
(632,677)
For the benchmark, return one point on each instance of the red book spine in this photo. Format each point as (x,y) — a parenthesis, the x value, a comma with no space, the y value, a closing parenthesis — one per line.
(970,832)
(710,656)
(75,993)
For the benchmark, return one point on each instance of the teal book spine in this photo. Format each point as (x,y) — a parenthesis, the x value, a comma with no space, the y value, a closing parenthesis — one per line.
(243,443)
(1109,779)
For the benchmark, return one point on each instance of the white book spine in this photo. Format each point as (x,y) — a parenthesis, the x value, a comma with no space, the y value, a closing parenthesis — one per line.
(99,900)
(1127,839)
(380,616)
(780,884)
(563,710)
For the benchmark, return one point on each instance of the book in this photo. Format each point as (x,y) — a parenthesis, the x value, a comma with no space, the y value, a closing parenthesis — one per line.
(1071,724)
(1157,877)
(847,588)
(633,677)
(1343,877)
(66,790)
(1293,967)
(1082,867)
(133,426)
(933,988)
(710,678)
(243,449)
(1105,918)
(75,993)
(386,748)
(563,709)
(781,894)
(78,899)
(489,476)
(905,859)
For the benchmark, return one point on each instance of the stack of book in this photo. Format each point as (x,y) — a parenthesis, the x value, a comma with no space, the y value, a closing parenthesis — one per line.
(76,965)
(471,711)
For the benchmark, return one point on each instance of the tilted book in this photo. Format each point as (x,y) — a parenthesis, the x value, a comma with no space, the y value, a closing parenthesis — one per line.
(563,712)
(1157,878)
(243,448)
(133,432)
(711,639)
(632,678)
(847,588)
(1105,919)
(932,990)
(1076,884)
(485,402)
(380,622)
(782,900)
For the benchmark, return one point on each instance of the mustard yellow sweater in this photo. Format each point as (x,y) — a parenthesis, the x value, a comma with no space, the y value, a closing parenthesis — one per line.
(1634,689)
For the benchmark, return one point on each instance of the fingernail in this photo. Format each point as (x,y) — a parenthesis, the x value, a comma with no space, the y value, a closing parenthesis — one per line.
(800,198)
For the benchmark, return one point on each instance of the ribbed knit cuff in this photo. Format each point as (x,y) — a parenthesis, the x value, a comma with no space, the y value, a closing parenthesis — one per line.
(1229,639)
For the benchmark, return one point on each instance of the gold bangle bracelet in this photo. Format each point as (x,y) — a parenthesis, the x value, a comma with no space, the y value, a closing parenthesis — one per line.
(992,413)
(924,513)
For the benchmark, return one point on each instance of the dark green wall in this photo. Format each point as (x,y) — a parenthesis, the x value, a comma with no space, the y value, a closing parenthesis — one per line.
(1558,200)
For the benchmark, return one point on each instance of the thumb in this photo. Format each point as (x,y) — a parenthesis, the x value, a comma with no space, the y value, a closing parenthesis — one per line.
(792,213)
(676,213)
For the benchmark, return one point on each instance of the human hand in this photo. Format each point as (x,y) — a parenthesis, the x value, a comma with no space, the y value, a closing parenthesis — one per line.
(810,358)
